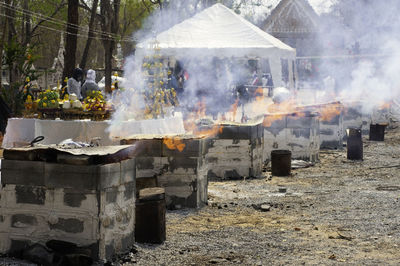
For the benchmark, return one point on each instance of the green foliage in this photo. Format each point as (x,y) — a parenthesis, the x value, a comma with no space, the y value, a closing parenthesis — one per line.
(18,60)
(14,98)
(133,13)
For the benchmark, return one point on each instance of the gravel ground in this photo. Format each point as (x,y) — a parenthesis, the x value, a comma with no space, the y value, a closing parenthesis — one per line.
(336,212)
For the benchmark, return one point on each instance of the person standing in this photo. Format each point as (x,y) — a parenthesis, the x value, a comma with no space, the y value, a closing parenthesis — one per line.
(74,83)
(90,83)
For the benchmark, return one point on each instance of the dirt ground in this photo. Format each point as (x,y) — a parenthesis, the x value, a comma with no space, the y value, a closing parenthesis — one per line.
(336,212)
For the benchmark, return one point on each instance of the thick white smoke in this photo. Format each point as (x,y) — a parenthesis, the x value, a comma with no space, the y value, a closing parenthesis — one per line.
(209,79)
(370,30)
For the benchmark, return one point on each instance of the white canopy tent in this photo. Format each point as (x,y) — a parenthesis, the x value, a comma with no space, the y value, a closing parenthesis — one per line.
(220,32)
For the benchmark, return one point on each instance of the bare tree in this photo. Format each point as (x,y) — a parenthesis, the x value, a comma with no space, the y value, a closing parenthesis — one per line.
(91,34)
(4,23)
(71,39)
(110,25)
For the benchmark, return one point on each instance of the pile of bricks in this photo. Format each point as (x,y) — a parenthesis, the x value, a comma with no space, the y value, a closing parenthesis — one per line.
(89,205)
(236,152)
(298,132)
(330,123)
(183,174)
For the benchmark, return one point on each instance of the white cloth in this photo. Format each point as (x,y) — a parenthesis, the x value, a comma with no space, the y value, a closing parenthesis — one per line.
(21,131)
(160,127)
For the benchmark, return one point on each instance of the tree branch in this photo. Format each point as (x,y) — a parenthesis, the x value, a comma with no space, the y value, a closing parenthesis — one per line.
(62,4)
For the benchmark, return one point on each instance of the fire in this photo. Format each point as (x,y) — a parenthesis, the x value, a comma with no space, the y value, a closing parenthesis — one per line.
(384,105)
(199,113)
(211,132)
(330,111)
(259,94)
(233,109)
(174,144)
(270,118)
(201,108)
(277,111)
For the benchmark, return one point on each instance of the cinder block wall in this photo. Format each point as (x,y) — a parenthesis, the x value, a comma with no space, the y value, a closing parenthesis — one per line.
(91,205)
(297,132)
(236,152)
(183,174)
(330,130)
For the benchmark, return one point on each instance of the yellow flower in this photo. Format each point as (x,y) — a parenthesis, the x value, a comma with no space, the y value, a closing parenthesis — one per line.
(44,104)
(53,101)
(45,98)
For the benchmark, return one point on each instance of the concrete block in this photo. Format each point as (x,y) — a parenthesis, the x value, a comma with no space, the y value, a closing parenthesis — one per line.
(299,121)
(80,177)
(69,225)
(23,220)
(130,190)
(148,182)
(145,163)
(301,132)
(30,195)
(189,164)
(147,147)
(111,194)
(109,175)
(22,172)
(74,199)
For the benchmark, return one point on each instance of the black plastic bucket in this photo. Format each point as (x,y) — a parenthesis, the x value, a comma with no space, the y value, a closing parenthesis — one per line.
(281,162)
(377,132)
(354,144)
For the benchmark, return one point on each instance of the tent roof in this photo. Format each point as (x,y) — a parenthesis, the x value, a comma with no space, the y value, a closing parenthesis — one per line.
(220,30)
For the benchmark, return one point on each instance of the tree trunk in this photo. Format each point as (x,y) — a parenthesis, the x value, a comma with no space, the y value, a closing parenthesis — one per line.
(12,72)
(4,23)
(109,24)
(90,34)
(26,24)
(71,39)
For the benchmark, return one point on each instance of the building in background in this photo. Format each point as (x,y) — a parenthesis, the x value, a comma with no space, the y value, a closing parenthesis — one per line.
(297,24)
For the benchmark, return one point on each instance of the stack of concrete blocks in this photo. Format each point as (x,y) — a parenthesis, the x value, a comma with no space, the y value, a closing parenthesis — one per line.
(297,132)
(330,128)
(183,174)
(236,152)
(89,205)
(354,117)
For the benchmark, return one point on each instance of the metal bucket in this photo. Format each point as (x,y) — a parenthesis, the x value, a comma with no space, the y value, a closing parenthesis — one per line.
(150,216)
(354,144)
(377,132)
(281,162)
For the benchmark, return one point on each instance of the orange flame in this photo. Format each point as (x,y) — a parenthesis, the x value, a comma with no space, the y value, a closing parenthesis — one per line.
(270,118)
(259,94)
(174,144)
(384,105)
(213,131)
(233,110)
(277,111)
(330,111)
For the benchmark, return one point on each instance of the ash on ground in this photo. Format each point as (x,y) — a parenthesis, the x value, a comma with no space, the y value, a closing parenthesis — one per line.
(338,211)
